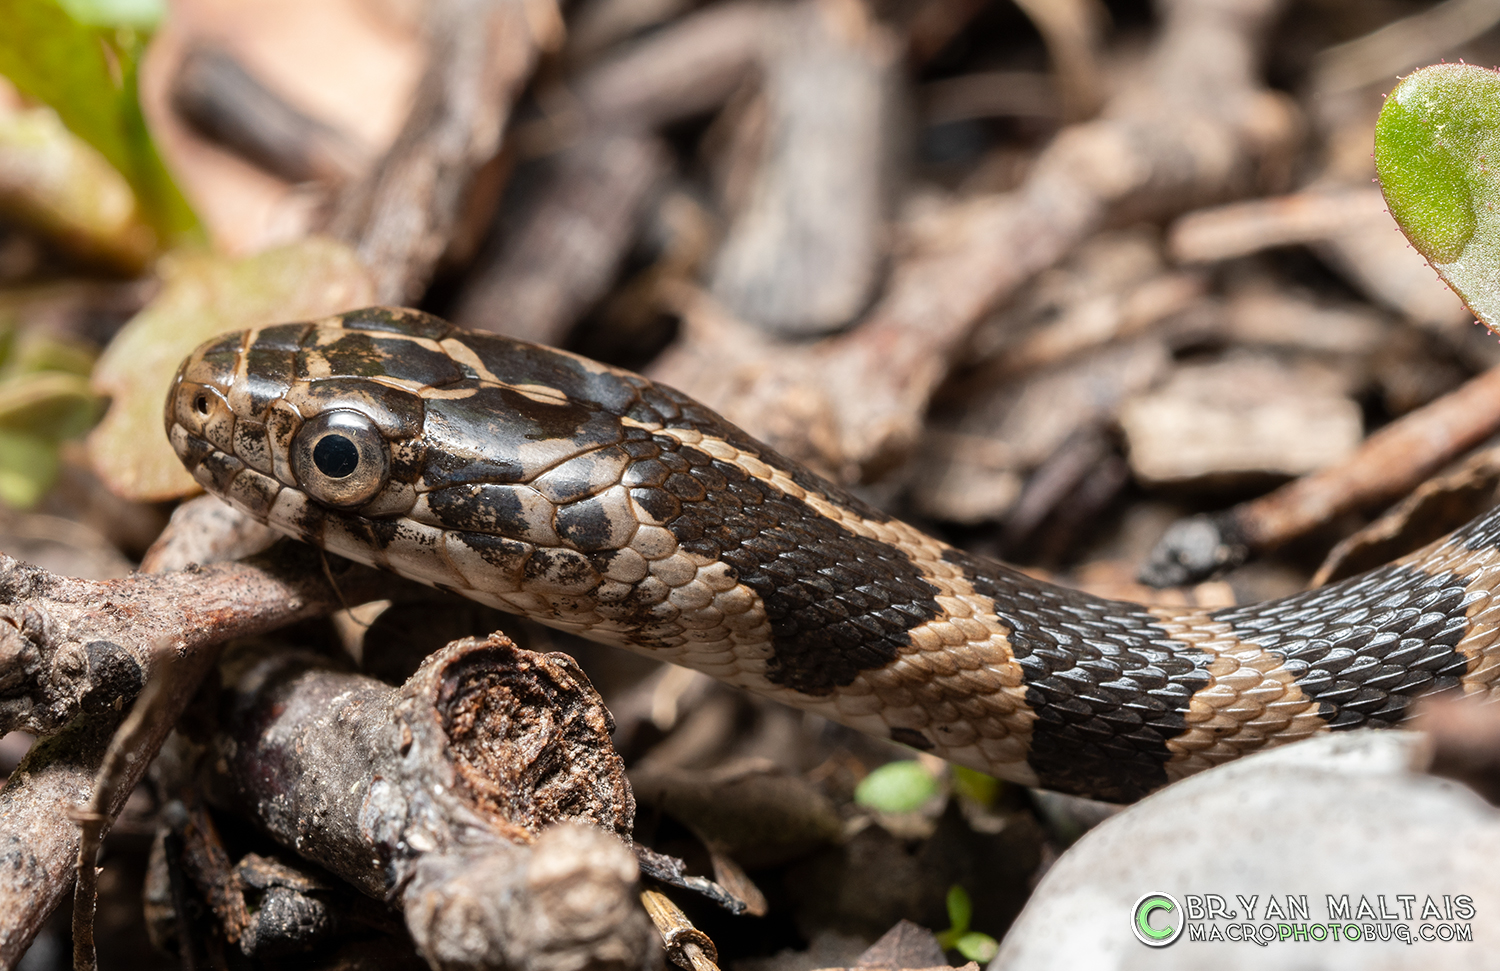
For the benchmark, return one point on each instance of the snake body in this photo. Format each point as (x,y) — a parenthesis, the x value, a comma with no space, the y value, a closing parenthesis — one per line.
(594,501)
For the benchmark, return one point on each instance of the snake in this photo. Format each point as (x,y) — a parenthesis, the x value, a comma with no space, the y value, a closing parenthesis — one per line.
(595,501)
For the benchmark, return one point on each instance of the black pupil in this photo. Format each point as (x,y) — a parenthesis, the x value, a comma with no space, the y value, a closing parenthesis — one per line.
(335,456)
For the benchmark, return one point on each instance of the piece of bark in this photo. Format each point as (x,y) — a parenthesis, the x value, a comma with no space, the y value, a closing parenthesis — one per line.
(1245,415)
(227,104)
(1201,127)
(403,214)
(1088,299)
(1436,508)
(38,842)
(971,468)
(673,872)
(566,251)
(483,795)
(801,258)
(1389,464)
(1268,316)
(906,945)
(686,69)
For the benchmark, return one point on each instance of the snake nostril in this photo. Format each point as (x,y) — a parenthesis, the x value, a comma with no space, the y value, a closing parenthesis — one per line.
(200,404)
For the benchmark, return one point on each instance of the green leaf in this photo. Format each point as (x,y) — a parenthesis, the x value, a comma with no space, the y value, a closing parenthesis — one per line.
(896,787)
(981,788)
(28,467)
(1437,151)
(47,404)
(960,909)
(88,75)
(37,351)
(977,947)
(140,14)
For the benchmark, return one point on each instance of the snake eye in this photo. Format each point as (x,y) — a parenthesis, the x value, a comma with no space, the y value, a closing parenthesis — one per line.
(340,458)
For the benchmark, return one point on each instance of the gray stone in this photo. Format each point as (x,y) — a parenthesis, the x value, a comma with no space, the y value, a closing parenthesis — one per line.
(1348,814)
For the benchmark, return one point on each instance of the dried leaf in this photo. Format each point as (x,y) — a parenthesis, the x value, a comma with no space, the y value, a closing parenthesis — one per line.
(202,296)
(52,180)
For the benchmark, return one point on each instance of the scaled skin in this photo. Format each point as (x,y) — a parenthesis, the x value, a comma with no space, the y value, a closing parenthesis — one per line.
(596,502)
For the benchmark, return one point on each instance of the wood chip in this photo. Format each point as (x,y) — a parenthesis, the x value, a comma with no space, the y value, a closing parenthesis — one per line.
(1246,414)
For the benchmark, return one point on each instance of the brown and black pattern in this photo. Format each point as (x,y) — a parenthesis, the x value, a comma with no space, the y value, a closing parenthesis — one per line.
(595,501)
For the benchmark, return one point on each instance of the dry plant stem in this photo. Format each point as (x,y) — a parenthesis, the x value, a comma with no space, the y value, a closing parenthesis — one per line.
(1072,30)
(687,946)
(70,647)
(1389,464)
(483,796)
(686,69)
(229,105)
(1198,129)
(1436,507)
(402,215)
(1379,56)
(1241,228)
(38,842)
(564,255)
(131,749)
(802,257)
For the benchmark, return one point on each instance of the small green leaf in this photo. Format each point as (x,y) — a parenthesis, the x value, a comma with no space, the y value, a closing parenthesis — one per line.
(977,947)
(981,788)
(960,909)
(37,351)
(28,467)
(88,75)
(896,787)
(140,14)
(1437,151)
(47,404)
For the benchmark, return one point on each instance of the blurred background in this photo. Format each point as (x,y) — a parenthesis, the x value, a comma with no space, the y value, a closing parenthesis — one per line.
(1048,278)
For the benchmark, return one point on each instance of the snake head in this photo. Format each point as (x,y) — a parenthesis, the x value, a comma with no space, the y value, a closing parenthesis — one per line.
(285,421)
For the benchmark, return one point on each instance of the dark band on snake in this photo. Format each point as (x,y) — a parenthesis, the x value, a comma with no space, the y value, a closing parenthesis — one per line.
(594,501)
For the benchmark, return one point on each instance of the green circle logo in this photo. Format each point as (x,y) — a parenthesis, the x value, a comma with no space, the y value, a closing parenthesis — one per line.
(1157,919)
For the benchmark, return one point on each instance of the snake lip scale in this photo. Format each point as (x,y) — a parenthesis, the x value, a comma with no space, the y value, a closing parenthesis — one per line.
(595,501)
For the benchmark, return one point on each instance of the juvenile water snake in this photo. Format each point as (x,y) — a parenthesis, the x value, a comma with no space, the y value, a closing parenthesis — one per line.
(592,500)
